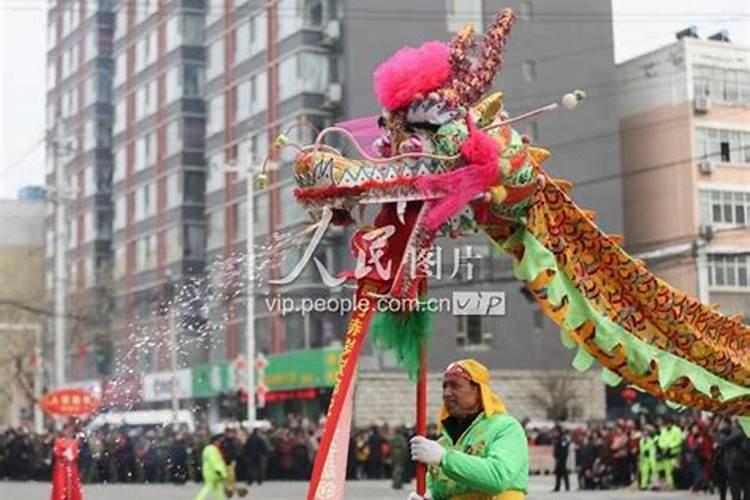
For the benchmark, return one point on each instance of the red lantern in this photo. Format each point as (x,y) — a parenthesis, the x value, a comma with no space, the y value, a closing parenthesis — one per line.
(628,394)
(69,403)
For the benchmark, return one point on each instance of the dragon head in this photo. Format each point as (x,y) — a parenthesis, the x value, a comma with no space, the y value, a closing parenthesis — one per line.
(446,158)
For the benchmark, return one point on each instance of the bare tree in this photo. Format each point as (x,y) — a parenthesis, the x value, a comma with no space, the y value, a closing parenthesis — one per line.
(557,395)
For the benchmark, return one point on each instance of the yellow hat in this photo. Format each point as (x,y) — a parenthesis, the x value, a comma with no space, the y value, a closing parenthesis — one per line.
(475,371)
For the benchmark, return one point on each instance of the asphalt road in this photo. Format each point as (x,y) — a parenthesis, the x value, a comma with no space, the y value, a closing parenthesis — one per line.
(360,490)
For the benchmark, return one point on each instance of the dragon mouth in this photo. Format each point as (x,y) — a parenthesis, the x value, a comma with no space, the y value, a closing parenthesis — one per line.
(394,244)
(326,179)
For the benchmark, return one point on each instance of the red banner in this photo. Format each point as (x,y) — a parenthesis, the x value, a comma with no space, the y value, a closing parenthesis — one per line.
(332,486)
(69,403)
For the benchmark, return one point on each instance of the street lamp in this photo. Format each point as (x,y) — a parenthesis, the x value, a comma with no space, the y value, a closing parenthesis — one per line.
(250,179)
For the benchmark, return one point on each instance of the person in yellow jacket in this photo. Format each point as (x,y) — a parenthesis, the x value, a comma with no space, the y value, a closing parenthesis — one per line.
(483,453)
(647,457)
(669,447)
(214,470)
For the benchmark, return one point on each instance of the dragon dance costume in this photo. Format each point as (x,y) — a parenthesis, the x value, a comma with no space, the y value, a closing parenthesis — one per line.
(446,161)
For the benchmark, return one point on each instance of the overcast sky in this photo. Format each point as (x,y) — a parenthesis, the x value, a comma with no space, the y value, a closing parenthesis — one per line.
(639,26)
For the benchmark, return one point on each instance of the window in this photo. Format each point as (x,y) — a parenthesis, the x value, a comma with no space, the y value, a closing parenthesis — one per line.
(174,193)
(214,10)
(214,175)
(174,89)
(174,137)
(724,85)
(725,207)
(528,68)
(194,187)
(193,29)
(119,124)
(195,241)
(174,245)
(303,72)
(258,96)
(215,229)
(120,69)
(121,22)
(174,37)
(470,332)
(290,18)
(314,14)
(195,131)
(728,270)
(103,88)
(104,225)
(120,208)
(243,100)
(215,59)
(119,164)
(258,33)
(729,146)
(215,118)
(193,79)
(242,41)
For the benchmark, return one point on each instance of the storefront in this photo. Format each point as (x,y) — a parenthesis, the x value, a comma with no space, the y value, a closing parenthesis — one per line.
(300,382)
(213,384)
(158,387)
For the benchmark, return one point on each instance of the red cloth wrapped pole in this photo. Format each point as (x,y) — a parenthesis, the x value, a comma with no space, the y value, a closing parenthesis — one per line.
(422,416)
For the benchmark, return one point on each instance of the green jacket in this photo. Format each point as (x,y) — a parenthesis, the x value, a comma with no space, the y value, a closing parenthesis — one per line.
(647,450)
(214,468)
(670,442)
(491,457)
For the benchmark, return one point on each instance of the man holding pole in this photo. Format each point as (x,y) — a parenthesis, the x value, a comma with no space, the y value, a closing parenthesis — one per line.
(482,453)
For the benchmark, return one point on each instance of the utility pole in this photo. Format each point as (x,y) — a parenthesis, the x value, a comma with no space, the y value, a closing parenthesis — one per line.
(173,361)
(58,199)
(38,380)
(250,294)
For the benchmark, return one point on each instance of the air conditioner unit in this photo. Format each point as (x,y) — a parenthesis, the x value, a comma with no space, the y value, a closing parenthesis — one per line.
(706,231)
(706,166)
(331,33)
(702,104)
(333,95)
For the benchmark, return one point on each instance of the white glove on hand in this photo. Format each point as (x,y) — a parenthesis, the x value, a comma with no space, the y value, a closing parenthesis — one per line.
(426,450)
(68,454)
(414,496)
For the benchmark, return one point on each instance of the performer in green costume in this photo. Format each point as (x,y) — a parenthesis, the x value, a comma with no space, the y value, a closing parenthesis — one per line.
(647,457)
(482,453)
(214,470)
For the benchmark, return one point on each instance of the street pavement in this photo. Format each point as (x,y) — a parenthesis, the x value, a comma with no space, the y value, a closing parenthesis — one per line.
(359,490)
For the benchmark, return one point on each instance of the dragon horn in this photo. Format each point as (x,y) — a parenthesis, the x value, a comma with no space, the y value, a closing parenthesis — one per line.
(469,82)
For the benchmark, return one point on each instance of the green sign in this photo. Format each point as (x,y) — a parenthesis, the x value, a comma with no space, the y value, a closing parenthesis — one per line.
(302,369)
(212,379)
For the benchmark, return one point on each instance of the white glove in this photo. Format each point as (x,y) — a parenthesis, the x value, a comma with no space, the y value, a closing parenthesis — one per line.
(426,451)
(414,496)
(68,454)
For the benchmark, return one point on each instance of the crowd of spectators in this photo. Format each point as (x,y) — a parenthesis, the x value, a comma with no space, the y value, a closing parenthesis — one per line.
(709,453)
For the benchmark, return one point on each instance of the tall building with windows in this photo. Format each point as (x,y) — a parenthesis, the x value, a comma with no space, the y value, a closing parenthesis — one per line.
(158,183)
(685,131)
(79,170)
(275,67)
(270,70)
